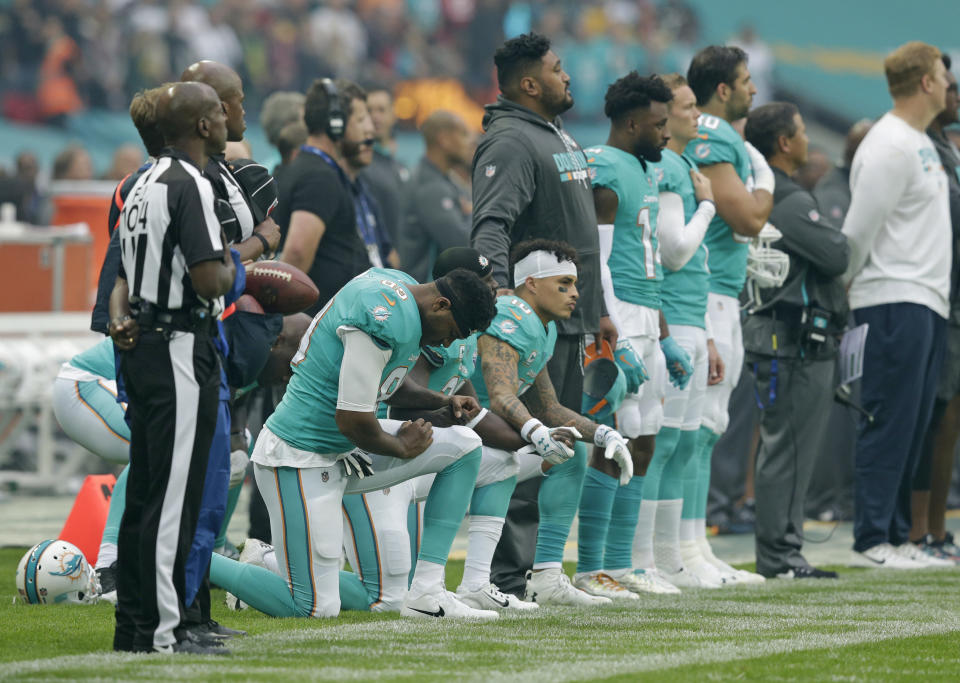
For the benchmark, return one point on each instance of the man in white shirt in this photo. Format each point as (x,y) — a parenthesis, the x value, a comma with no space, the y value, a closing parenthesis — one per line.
(898,228)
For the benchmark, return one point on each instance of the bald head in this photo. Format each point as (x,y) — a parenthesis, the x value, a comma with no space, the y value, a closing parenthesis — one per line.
(855,136)
(191,112)
(229,89)
(438,123)
(218,76)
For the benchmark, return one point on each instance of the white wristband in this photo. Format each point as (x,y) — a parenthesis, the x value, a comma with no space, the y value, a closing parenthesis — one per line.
(475,421)
(528,427)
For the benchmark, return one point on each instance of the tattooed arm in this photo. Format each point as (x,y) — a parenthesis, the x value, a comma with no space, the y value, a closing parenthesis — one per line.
(542,402)
(498,361)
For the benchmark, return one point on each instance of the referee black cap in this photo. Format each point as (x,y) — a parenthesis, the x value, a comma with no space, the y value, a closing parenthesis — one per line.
(462,257)
(258,185)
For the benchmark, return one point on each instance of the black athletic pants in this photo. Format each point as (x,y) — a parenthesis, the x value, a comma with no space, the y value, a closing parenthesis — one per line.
(173,386)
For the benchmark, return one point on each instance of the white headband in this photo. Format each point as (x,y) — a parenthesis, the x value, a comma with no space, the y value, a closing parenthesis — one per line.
(538,264)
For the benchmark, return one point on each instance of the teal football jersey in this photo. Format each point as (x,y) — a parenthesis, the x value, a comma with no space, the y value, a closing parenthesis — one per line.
(719,143)
(635,260)
(376,302)
(97,360)
(684,291)
(517,324)
(452,365)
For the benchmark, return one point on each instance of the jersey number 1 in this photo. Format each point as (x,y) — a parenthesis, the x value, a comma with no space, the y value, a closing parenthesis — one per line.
(646,237)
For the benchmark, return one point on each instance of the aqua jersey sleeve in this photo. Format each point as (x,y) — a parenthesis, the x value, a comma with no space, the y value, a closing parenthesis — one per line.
(603,168)
(521,328)
(97,360)
(717,143)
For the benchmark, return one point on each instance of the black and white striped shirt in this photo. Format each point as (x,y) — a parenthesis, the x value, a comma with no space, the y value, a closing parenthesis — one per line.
(169,224)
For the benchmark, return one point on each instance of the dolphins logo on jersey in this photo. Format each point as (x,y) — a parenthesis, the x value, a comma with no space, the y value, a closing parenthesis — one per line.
(380,313)
(702,151)
(508,326)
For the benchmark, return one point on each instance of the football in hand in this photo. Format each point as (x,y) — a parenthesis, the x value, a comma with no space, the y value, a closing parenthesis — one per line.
(280,287)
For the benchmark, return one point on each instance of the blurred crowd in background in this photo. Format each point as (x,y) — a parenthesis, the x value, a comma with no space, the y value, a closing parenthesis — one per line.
(95,53)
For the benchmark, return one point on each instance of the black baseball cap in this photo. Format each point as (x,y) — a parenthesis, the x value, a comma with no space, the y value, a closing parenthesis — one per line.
(461,257)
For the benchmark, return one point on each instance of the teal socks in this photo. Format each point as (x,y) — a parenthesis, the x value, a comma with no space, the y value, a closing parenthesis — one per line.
(685,445)
(596,503)
(446,506)
(708,439)
(493,499)
(118,501)
(618,553)
(558,501)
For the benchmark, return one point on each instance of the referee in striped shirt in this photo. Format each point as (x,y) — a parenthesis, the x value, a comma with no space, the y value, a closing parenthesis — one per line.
(175,269)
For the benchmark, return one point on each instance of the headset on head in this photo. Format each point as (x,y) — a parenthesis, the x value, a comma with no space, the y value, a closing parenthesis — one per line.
(336,122)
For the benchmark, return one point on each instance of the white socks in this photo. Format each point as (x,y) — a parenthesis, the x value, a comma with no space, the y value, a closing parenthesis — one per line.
(107,555)
(643,539)
(484,535)
(666,544)
(427,578)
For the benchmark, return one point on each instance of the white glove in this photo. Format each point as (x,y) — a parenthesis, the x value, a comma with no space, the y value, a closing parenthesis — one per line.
(238,467)
(616,449)
(550,449)
(357,462)
(762,175)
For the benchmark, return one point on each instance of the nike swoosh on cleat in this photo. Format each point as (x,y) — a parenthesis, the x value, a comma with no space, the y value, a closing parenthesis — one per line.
(438,613)
(505,603)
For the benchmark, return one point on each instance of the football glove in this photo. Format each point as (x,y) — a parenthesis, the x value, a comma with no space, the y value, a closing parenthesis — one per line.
(238,467)
(357,462)
(678,362)
(615,448)
(631,364)
(541,437)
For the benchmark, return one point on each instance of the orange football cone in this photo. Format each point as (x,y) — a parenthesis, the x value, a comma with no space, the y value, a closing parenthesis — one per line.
(86,520)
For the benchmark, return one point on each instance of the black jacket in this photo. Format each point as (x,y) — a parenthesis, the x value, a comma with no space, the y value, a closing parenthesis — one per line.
(819,254)
(530,180)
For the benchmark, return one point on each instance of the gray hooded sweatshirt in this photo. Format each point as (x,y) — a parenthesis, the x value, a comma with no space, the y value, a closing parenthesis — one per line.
(530,180)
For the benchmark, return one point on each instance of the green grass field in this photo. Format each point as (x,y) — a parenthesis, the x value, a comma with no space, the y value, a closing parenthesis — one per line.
(869,626)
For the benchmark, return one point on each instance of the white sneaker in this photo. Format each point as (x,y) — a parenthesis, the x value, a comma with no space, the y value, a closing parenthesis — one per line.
(491,597)
(647,581)
(695,563)
(885,556)
(913,552)
(553,587)
(442,604)
(687,579)
(729,574)
(252,553)
(604,585)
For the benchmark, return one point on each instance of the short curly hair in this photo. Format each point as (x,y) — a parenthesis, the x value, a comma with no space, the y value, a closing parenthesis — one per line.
(517,55)
(634,91)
